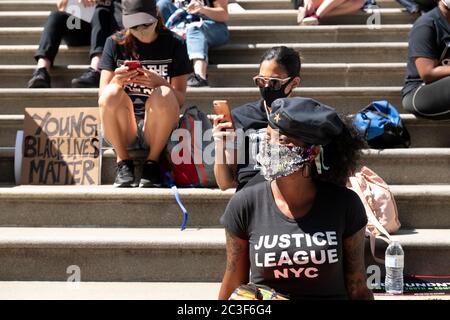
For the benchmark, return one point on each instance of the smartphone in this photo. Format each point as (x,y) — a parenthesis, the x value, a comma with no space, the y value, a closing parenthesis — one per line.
(445,57)
(132,64)
(221,108)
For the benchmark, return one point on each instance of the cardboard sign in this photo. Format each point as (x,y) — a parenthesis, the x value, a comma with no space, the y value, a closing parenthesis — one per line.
(61,146)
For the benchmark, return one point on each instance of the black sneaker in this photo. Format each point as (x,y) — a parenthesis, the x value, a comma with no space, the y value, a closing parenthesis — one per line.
(196,81)
(125,174)
(40,79)
(151,175)
(89,79)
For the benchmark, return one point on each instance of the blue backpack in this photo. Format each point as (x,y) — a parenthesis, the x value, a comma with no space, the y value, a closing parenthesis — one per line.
(382,127)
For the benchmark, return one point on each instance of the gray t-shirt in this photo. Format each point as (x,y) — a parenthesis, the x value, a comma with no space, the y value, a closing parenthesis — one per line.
(302,258)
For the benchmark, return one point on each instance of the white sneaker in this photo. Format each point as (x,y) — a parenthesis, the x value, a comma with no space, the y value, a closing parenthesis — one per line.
(301,14)
(310,21)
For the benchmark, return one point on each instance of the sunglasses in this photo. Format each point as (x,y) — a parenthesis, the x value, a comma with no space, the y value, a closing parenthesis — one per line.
(274,83)
(146,25)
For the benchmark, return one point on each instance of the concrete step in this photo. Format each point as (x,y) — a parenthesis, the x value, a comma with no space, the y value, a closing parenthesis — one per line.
(62,290)
(346,100)
(386,52)
(261,34)
(247,17)
(47,5)
(289,17)
(160,255)
(129,255)
(265,4)
(396,166)
(240,75)
(317,52)
(420,206)
(54,290)
(28,5)
(388,4)
(285,4)
(322,33)
(419,129)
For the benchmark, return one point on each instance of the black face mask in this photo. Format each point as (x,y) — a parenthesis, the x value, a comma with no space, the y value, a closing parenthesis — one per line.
(270,95)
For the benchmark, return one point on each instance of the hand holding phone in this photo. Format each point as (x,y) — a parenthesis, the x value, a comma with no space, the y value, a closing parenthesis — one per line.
(221,108)
(132,64)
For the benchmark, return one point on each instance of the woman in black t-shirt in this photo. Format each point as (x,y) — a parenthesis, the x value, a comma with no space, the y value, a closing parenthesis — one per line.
(426,92)
(140,107)
(302,231)
(279,75)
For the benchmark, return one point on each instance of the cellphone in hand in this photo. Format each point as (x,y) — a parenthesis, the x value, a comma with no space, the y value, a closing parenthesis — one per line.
(221,108)
(133,64)
(445,57)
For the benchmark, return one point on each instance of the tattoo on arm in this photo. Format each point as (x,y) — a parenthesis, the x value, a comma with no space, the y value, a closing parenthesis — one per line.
(355,273)
(235,249)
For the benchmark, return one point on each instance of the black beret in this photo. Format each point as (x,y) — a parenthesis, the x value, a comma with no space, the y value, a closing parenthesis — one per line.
(305,119)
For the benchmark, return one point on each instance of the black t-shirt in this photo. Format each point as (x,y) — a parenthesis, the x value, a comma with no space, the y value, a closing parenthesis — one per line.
(252,119)
(427,39)
(185,3)
(167,55)
(303,257)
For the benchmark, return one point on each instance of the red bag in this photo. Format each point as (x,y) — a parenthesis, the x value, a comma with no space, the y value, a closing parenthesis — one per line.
(185,151)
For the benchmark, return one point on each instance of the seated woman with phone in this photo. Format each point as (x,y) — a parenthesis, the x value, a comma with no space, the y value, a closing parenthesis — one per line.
(426,92)
(142,87)
(279,75)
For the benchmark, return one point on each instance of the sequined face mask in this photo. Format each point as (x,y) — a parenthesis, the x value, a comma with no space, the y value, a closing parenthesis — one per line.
(278,160)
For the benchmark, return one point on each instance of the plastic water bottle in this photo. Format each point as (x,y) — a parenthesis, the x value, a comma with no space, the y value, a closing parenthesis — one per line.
(394,261)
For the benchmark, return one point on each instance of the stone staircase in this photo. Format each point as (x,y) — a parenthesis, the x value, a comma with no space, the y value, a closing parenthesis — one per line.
(127,243)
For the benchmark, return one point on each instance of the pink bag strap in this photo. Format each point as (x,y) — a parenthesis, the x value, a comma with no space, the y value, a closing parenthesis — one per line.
(371,217)
(372,242)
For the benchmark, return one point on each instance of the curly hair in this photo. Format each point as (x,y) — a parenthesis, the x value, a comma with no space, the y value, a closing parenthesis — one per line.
(341,155)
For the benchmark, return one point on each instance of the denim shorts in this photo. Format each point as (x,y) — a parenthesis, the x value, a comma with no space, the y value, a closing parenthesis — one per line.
(139,111)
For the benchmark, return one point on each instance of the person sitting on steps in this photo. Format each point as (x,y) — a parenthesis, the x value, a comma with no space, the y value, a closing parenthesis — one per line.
(211,32)
(301,231)
(313,10)
(278,76)
(140,107)
(426,92)
(105,21)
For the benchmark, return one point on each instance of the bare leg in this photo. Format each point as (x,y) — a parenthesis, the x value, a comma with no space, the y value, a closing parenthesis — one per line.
(117,115)
(311,6)
(347,7)
(328,6)
(44,63)
(161,117)
(200,67)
